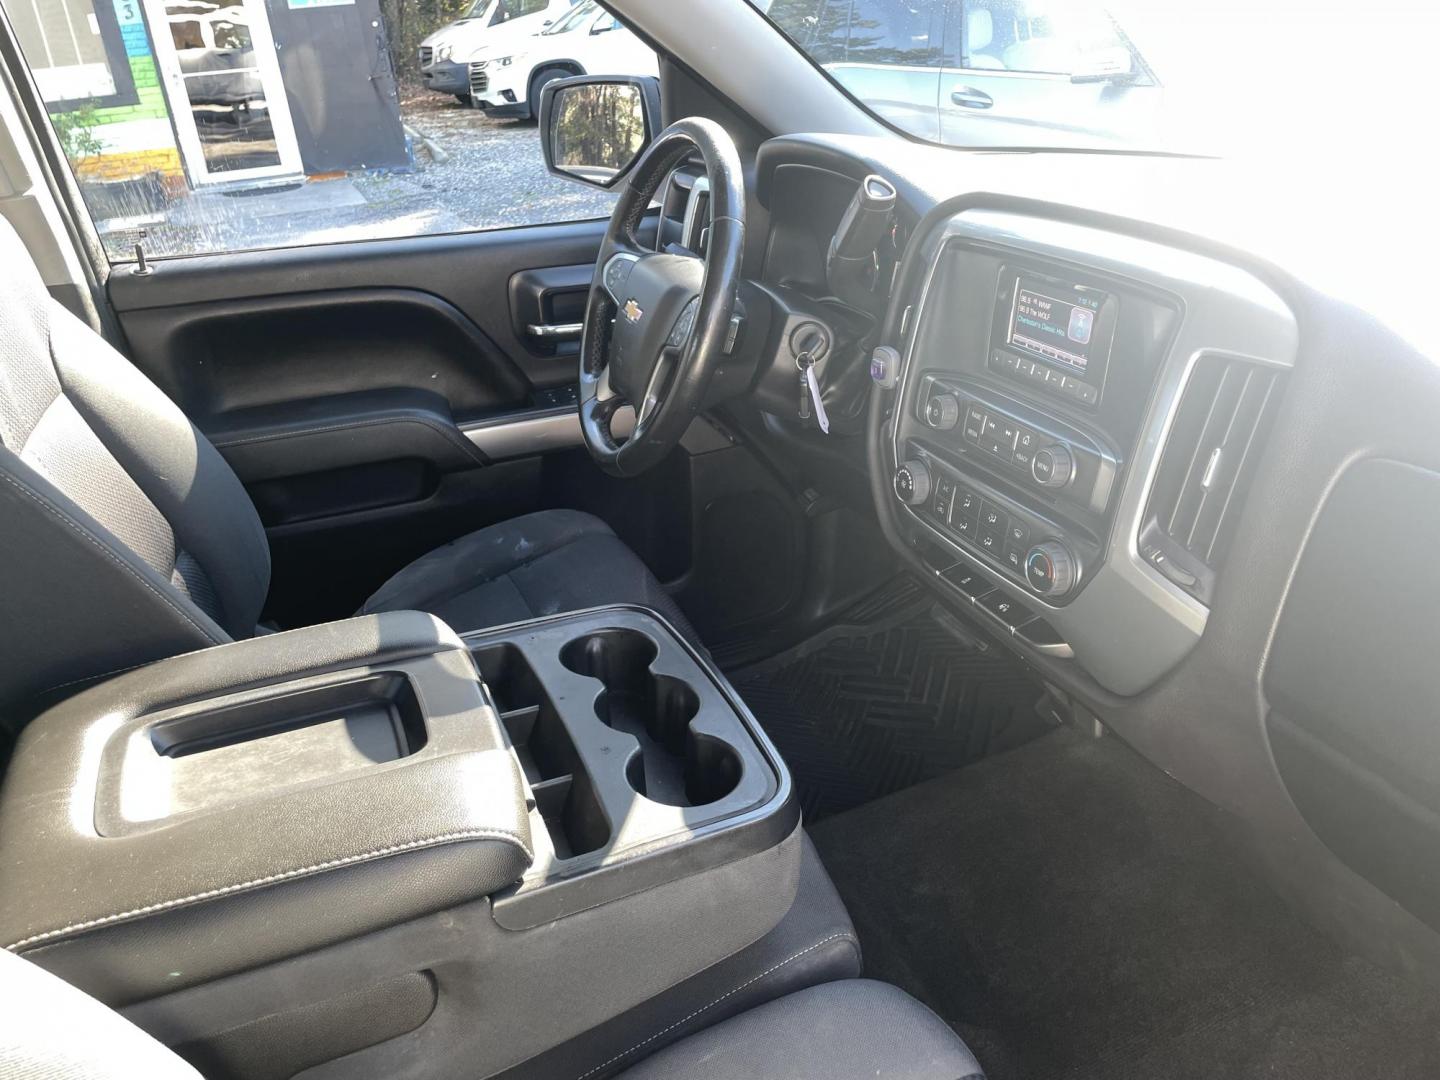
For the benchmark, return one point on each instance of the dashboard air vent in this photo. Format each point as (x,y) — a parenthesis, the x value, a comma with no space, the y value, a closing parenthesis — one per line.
(1206,468)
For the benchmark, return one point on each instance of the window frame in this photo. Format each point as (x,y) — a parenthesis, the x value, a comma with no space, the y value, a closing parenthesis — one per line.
(113,43)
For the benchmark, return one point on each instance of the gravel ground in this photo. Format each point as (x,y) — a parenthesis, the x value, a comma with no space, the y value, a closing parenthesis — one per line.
(487,174)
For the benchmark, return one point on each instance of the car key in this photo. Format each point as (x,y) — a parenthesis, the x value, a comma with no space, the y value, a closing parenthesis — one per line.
(812,392)
(803,362)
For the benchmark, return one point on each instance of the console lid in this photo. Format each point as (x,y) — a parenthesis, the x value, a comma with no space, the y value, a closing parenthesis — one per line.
(237,805)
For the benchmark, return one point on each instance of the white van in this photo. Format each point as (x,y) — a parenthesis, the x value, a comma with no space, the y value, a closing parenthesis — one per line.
(443,53)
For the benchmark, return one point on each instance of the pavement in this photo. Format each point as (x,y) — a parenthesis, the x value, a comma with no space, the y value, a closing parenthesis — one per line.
(487,174)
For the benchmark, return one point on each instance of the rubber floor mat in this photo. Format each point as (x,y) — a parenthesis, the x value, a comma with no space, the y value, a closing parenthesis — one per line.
(867,708)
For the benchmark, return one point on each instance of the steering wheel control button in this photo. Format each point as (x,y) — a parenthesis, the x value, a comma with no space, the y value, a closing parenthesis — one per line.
(1050,569)
(974,424)
(912,482)
(1052,466)
(942,412)
(684,324)
(617,273)
(1011,612)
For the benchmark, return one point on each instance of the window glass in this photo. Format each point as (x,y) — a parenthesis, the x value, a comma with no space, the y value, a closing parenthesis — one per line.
(77,50)
(1254,78)
(820,27)
(900,33)
(195,127)
(505,10)
(1039,36)
(581,12)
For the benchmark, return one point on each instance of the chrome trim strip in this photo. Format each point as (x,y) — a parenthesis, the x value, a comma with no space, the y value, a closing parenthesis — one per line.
(555,331)
(539,432)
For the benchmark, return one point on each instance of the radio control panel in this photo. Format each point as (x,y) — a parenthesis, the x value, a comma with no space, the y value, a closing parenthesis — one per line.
(1041,453)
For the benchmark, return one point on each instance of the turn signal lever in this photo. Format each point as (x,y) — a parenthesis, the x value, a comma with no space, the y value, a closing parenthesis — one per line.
(850,264)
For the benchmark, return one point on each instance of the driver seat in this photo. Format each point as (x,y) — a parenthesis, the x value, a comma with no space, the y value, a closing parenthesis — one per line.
(127,538)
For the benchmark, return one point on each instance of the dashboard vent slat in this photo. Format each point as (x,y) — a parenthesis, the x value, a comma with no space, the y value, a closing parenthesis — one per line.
(1207,465)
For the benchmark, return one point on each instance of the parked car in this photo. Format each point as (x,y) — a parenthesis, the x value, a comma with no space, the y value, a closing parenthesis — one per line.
(984,72)
(444,54)
(506,77)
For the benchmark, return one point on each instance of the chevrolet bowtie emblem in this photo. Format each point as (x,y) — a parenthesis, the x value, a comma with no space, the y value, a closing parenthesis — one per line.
(632,310)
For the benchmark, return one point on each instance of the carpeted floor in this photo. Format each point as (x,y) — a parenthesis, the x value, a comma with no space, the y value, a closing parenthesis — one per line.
(1074,913)
(885,699)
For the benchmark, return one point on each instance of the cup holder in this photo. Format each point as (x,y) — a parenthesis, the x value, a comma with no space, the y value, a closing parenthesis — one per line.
(675,766)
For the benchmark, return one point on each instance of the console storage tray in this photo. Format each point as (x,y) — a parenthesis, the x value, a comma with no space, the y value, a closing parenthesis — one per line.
(641,762)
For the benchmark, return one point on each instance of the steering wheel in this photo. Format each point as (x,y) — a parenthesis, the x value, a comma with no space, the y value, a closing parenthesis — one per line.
(656,323)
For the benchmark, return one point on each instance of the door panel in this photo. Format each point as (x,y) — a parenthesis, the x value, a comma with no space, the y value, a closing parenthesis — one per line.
(221,356)
(380,399)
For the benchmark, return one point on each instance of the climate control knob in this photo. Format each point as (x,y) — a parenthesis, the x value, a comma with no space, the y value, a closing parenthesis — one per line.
(912,482)
(1050,569)
(1052,466)
(942,412)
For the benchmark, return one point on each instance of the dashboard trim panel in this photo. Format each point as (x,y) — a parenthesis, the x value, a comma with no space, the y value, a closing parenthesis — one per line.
(1129,624)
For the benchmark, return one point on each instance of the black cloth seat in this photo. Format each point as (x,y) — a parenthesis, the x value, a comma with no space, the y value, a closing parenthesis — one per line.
(127,538)
(539,564)
(845,1030)
(837,1031)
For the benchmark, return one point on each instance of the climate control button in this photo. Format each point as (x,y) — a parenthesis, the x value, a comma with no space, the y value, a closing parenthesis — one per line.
(912,482)
(1050,569)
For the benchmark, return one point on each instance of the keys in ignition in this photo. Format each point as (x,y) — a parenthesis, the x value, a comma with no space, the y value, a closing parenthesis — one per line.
(810,393)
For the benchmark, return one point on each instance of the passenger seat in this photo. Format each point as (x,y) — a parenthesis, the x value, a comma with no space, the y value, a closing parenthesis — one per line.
(853,1028)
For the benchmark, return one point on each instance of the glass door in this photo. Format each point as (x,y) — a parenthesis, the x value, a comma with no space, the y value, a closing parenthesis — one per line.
(223,82)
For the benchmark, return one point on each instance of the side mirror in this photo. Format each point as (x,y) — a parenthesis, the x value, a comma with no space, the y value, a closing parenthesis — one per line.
(594,127)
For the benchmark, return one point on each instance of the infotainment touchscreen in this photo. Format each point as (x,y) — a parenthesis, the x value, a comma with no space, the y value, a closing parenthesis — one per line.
(1054,321)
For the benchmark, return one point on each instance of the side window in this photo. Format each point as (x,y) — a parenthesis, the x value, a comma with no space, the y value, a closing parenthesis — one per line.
(897,33)
(1052,37)
(506,10)
(194,127)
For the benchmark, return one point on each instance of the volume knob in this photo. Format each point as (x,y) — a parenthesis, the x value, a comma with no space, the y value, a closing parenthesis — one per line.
(942,412)
(1050,569)
(912,482)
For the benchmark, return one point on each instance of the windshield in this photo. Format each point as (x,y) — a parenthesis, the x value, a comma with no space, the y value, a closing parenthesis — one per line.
(576,15)
(476,9)
(1194,76)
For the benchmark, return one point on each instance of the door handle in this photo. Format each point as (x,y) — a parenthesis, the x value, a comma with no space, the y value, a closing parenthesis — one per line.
(970,98)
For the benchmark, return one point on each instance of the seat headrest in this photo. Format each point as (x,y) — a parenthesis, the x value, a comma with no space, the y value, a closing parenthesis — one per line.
(979,30)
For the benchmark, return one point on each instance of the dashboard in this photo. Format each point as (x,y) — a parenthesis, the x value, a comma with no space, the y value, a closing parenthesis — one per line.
(1039,463)
(1144,424)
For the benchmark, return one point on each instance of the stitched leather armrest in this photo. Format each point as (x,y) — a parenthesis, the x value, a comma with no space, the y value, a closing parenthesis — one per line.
(128,869)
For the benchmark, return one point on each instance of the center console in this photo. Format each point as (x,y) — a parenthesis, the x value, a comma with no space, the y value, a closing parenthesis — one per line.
(1076,414)
(321,850)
